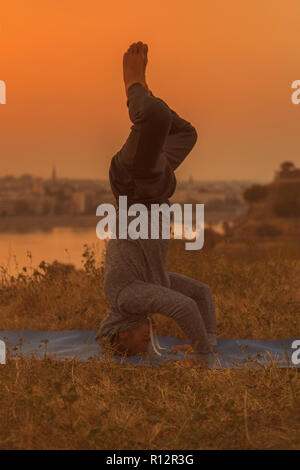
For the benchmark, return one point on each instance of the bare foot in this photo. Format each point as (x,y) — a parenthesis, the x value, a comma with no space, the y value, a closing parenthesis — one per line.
(134,65)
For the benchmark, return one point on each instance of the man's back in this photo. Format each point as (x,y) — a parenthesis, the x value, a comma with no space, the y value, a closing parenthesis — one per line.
(130,260)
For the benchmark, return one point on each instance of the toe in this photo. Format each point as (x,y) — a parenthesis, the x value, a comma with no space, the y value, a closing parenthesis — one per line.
(131,48)
(140,47)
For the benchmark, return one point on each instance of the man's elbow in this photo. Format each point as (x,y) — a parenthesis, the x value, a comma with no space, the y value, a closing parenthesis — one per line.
(193,136)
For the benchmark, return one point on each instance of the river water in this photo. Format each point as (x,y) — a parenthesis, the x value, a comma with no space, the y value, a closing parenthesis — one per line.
(64,244)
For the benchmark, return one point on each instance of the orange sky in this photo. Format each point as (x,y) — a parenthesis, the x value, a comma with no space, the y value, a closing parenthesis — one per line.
(225,66)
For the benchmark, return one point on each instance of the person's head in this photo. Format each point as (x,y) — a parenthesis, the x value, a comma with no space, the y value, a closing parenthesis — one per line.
(132,341)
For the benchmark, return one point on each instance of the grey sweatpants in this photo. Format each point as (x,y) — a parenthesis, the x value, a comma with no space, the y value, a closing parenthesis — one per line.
(187,301)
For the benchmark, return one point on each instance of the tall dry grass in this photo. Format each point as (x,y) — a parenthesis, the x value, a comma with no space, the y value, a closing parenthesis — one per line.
(48,404)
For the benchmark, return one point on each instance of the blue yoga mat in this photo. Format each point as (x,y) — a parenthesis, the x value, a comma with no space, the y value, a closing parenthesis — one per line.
(81,345)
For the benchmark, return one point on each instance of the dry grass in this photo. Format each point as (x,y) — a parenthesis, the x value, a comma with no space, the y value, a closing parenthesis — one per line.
(48,404)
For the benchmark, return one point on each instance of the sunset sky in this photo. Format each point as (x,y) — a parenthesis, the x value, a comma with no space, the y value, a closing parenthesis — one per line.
(225,66)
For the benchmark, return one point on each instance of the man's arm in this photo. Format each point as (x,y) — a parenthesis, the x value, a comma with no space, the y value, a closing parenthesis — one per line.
(181,139)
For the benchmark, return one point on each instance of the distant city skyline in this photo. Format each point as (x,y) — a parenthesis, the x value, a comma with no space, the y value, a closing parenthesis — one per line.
(53,174)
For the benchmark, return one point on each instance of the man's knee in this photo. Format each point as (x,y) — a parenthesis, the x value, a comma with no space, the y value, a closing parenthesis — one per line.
(189,305)
(203,290)
(156,111)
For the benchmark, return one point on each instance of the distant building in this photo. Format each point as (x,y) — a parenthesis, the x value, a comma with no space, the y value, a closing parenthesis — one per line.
(38,187)
(78,202)
(7,205)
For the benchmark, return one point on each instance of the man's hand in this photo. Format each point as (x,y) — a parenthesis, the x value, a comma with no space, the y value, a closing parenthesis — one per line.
(188,361)
(183,347)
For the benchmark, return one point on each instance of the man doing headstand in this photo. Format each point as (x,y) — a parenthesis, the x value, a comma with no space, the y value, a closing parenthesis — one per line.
(137,282)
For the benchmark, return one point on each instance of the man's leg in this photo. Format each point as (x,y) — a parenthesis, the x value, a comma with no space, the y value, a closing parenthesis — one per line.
(142,154)
(151,117)
(151,120)
(146,299)
(201,294)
